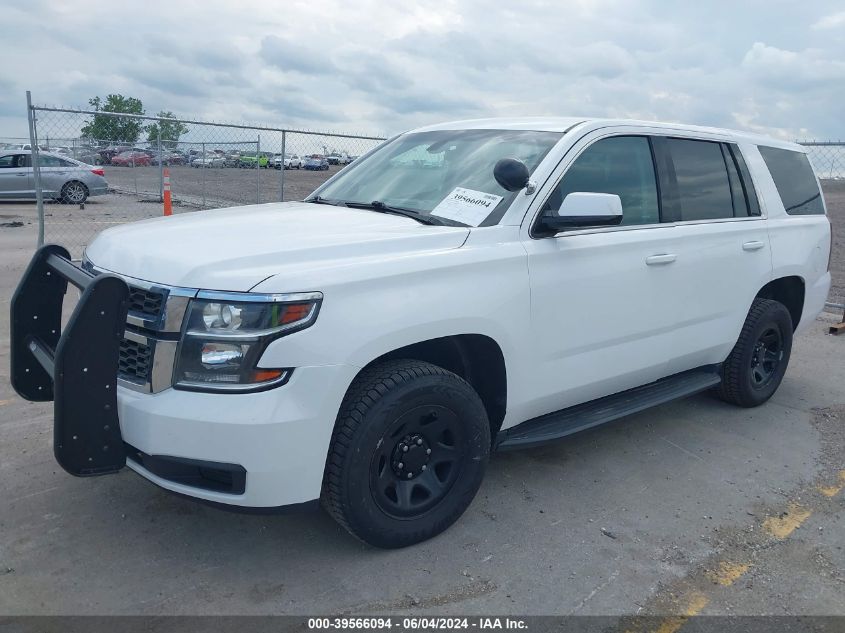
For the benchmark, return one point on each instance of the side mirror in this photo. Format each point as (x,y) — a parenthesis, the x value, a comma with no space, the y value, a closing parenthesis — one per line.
(511,174)
(581,208)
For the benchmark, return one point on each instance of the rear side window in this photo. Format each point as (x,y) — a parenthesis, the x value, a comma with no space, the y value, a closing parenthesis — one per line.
(703,184)
(46,160)
(794,180)
(621,165)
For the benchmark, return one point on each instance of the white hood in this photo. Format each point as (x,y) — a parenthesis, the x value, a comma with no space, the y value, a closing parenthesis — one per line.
(236,248)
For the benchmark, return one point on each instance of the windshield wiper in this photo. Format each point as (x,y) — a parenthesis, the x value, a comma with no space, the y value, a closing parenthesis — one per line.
(381,207)
(321,200)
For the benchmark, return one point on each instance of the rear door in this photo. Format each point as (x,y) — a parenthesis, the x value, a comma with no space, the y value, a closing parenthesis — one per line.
(724,255)
(15,176)
(54,173)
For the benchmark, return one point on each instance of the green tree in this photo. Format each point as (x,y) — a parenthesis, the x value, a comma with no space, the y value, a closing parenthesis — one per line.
(105,127)
(170,130)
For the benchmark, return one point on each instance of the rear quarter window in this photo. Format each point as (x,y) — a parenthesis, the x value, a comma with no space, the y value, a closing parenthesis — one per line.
(794,179)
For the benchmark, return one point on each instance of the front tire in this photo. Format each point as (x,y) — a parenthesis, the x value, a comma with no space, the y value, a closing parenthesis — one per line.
(755,368)
(408,453)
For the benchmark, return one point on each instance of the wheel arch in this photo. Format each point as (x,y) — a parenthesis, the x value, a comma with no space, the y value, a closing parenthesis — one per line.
(477,358)
(788,290)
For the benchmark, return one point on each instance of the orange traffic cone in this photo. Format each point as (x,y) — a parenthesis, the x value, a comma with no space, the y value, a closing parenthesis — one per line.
(168,208)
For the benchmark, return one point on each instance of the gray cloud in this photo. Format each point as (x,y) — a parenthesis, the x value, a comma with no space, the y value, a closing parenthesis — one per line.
(292,56)
(769,66)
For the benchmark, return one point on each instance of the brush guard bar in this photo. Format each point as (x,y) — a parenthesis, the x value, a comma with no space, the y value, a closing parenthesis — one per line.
(75,368)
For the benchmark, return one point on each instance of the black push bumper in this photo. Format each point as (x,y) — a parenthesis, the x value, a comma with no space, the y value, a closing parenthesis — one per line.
(75,367)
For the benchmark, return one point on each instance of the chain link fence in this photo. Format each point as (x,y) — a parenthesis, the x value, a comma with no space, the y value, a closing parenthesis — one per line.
(210,165)
(827,157)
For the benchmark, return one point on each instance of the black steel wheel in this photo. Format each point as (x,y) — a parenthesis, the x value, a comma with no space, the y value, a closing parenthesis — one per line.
(408,453)
(766,357)
(755,367)
(417,464)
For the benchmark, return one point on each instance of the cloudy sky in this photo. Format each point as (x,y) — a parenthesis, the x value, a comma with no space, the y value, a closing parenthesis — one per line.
(776,66)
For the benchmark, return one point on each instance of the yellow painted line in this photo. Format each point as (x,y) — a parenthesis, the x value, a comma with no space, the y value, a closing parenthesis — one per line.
(727,573)
(3,402)
(694,605)
(827,491)
(782,526)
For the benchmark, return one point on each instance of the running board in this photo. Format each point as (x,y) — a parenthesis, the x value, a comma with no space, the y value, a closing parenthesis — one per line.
(554,426)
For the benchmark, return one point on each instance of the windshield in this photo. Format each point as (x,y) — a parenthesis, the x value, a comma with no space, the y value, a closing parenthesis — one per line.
(444,173)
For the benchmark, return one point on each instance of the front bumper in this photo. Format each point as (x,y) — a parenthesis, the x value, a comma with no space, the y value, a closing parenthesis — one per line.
(280,437)
(243,450)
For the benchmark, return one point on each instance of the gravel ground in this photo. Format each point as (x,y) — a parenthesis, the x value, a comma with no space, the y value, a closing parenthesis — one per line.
(216,187)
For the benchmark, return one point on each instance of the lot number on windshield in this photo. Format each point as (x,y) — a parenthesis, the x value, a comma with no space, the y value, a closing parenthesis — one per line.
(467,206)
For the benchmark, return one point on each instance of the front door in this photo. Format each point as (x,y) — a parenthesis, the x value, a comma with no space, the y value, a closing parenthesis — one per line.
(15,177)
(602,298)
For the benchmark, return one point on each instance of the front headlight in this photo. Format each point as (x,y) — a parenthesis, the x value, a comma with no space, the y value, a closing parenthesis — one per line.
(226,333)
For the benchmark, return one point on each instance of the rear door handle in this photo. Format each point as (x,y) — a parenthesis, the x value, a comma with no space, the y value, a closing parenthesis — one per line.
(659,260)
(752,246)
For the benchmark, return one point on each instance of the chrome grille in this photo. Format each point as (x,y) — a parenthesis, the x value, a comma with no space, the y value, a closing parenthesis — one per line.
(135,361)
(153,323)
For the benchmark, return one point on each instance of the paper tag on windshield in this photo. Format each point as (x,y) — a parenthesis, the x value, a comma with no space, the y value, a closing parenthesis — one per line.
(467,206)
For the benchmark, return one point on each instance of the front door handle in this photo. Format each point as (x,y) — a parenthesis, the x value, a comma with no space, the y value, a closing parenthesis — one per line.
(659,260)
(753,246)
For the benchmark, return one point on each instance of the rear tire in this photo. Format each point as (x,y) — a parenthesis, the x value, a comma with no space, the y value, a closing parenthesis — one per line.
(408,453)
(755,367)
(74,192)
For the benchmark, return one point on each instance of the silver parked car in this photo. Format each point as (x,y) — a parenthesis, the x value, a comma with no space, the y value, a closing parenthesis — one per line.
(62,178)
(211,160)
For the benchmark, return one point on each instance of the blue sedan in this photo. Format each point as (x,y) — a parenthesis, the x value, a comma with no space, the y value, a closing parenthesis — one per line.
(317,163)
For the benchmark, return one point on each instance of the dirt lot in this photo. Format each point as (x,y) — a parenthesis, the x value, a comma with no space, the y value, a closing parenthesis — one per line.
(214,187)
(693,507)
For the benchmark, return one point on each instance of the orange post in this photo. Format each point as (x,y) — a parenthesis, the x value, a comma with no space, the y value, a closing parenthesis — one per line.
(168,208)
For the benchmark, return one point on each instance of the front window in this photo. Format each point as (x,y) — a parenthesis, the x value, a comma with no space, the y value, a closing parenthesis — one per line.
(620,165)
(421,171)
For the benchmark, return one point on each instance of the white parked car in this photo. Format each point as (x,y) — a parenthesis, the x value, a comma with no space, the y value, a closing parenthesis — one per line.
(210,160)
(338,158)
(291,161)
(463,288)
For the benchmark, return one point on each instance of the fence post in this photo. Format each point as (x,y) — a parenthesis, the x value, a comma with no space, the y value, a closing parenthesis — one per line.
(258,166)
(282,171)
(36,167)
(160,164)
(202,166)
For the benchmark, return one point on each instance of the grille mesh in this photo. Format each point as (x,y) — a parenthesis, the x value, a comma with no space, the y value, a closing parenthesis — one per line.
(146,302)
(134,363)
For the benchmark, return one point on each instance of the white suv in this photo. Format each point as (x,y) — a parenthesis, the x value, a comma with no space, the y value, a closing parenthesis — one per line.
(463,288)
(290,161)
